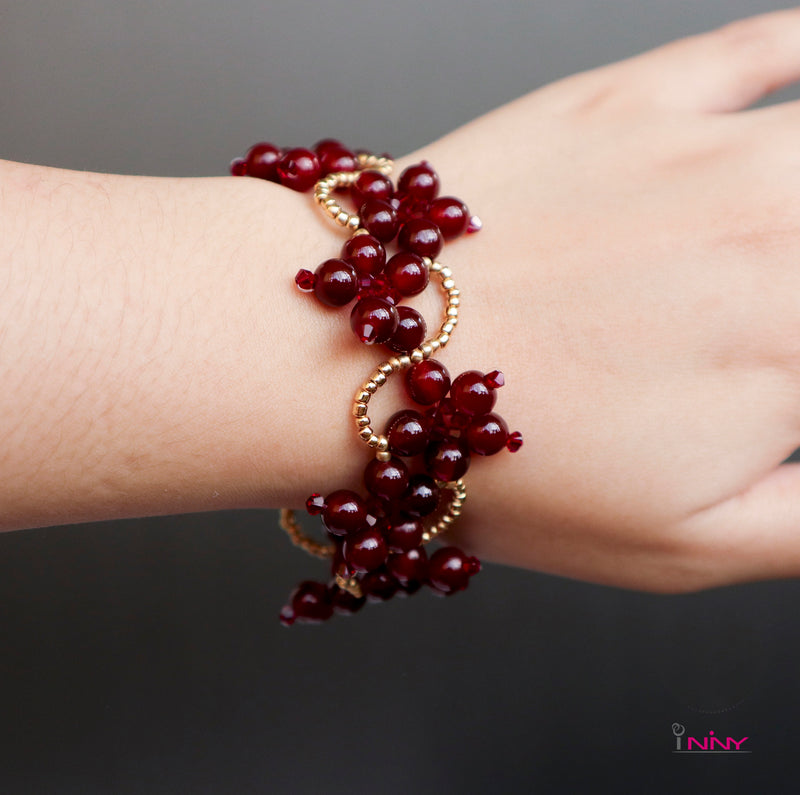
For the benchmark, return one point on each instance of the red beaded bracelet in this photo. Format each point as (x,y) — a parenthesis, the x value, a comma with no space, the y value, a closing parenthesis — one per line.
(376,543)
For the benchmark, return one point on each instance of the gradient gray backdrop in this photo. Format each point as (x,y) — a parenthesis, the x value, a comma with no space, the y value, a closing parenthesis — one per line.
(145,656)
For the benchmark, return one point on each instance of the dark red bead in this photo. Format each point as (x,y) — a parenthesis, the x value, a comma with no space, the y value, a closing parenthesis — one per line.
(494,380)
(409,566)
(410,332)
(422,497)
(422,237)
(407,273)
(378,586)
(305,280)
(487,434)
(299,169)
(309,603)
(450,215)
(315,504)
(447,459)
(324,144)
(471,395)
(475,225)
(449,569)
(377,287)
(262,161)
(345,513)
(427,382)
(345,603)
(379,218)
(365,551)
(365,253)
(388,479)
(450,417)
(408,207)
(371,185)
(238,167)
(336,283)
(514,442)
(333,160)
(407,432)
(419,181)
(404,533)
(373,320)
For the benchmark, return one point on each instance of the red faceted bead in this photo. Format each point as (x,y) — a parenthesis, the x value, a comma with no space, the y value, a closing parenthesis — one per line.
(365,551)
(410,332)
(405,533)
(373,320)
(336,283)
(371,185)
(408,566)
(299,169)
(450,215)
(494,380)
(421,236)
(407,273)
(388,479)
(345,513)
(345,603)
(427,382)
(447,459)
(514,442)
(475,225)
(309,603)
(419,181)
(377,287)
(315,504)
(449,569)
(262,161)
(487,434)
(408,207)
(378,586)
(238,167)
(379,218)
(335,159)
(305,280)
(365,253)
(422,497)
(407,433)
(471,395)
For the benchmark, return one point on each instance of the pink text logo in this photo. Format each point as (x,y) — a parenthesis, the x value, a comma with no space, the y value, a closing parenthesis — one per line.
(710,744)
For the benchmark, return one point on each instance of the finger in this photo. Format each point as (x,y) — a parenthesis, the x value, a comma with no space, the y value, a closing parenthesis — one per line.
(726,69)
(754,535)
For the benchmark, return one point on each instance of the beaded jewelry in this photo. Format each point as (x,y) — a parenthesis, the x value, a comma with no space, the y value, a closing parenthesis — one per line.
(376,543)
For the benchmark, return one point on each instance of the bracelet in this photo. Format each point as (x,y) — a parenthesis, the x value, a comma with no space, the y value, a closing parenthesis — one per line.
(376,544)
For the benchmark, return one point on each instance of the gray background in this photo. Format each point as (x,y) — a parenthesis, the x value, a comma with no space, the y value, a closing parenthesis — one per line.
(145,656)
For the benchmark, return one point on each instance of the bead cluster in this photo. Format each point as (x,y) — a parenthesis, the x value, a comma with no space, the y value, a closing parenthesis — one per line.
(376,543)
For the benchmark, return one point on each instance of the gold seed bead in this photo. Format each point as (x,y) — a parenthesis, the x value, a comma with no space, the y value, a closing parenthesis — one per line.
(363,397)
(435,267)
(448,283)
(366,434)
(417,356)
(343,218)
(360,410)
(444,338)
(363,422)
(454,292)
(445,273)
(452,312)
(378,378)
(435,345)
(386,368)
(427,349)
(454,301)
(354,222)
(371,386)
(383,444)
(383,456)
(373,440)
(360,231)
(404,361)
(394,363)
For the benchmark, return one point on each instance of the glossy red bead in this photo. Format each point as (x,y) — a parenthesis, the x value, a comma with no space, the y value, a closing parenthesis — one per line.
(494,380)
(419,181)
(404,533)
(378,586)
(450,215)
(447,459)
(305,280)
(421,236)
(471,395)
(387,479)
(407,273)
(345,603)
(514,442)
(365,253)
(379,218)
(475,225)
(315,504)
(335,159)
(427,382)
(422,497)
(365,551)
(309,603)
(345,513)
(373,320)
(262,161)
(324,144)
(238,167)
(299,169)
(410,332)
(408,207)
(487,434)
(449,569)
(407,433)
(335,283)
(371,185)
(408,566)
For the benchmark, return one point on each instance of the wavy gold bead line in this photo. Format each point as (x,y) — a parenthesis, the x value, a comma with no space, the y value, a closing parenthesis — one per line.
(289,523)
(459,491)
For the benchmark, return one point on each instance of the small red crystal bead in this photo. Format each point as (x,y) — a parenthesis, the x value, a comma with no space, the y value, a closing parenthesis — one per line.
(419,181)
(410,331)
(475,225)
(514,442)
(310,603)
(449,569)
(422,237)
(404,533)
(365,253)
(299,169)
(379,218)
(365,551)
(447,459)
(422,497)
(315,504)
(494,380)
(487,434)
(335,283)
(408,566)
(262,161)
(371,185)
(407,433)
(427,382)
(305,280)
(450,215)
(345,513)
(238,167)
(471,395)
(407,273)
(387,479)
(373,320)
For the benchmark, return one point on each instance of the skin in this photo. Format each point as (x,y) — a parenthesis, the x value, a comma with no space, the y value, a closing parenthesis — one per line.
(636,281)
